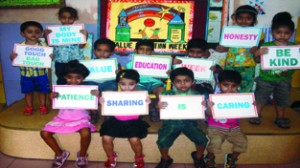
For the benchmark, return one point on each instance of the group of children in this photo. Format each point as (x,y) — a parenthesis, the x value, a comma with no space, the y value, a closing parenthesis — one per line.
(237,75)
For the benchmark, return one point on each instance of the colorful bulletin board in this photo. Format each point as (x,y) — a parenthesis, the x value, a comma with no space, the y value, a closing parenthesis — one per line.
(31,3)
(169,24)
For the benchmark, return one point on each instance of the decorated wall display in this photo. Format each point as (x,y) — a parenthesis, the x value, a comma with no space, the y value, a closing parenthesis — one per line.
(214,26)
(168,23)
(235,105)
(182,107)
(285,57)
(124,103)
(32,56)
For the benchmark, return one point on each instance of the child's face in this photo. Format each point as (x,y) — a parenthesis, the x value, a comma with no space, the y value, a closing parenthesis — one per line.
(228,87)
(197,53)
(66,18)
(182,83)
(244,19)
(102,51)
(74,79)
(32,33)
(143,49)
(127,84)
(282,34)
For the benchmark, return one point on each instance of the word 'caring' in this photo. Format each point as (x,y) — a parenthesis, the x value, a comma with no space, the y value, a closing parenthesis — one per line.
(233,105)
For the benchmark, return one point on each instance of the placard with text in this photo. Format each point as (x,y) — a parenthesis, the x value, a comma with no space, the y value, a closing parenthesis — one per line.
(62,35)
(182,107)
(126,103)
(74,97)
(200,67)
(32,56)
(281,57)
(101,69)
(235,105)
(154,66)
(240,37)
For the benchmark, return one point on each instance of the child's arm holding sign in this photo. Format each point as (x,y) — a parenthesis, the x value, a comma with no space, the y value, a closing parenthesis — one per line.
(258,53)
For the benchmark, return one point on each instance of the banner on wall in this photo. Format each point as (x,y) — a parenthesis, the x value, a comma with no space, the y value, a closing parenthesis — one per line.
(169,24)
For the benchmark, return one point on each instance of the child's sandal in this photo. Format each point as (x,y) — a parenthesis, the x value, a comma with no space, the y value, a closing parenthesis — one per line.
(255,121)
(282,123)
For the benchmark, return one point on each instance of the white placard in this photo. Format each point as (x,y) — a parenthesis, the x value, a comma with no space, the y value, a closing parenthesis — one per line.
(125,103)
(200,67)
(62,35)
(281,57)
(32,56)
(236,105)
(101,69)
(74,97)
(182,107)
(154,66)
(240,37)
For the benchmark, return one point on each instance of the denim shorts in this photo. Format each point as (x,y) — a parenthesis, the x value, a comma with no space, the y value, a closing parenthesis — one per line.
(32,84)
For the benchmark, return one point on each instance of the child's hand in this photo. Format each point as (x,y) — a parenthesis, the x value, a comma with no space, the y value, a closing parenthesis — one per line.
(148,100)
(253,49)
(53,95)
(162,105)
(209,104)
(95,93)
(47,32)
(169,72)
(254,103)
(101,100)
(13,55)
(216,68)
(84,32)
(117,71)
(176,61)
(51,56)
(220,48)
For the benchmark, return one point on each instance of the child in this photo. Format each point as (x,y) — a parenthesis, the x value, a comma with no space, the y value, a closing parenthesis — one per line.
(131,127)
(276,81)
(152,85)
(229,129)
(70,121)
(242,59)
(182,80)
(198,48)
(33,79)
(66,53)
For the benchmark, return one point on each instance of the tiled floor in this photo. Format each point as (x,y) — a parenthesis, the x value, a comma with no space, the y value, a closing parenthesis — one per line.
(9,162)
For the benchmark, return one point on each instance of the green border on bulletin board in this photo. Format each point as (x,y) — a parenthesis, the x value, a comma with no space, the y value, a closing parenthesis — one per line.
(31,3)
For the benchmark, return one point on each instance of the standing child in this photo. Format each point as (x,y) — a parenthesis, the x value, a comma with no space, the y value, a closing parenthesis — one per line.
(70,121)
(33,79)
(66,53)
(150,84)
(131,127)
(242,59)
(182,80)
(275,81)
(220,130)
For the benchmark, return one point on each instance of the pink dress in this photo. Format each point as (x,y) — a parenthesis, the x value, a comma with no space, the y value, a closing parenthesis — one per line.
(69,121)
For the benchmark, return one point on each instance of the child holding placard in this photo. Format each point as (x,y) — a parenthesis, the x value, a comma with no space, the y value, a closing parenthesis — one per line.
(131,127)
(33,79)
(242,59)
(275,81)
(220,130)
(70,121)
(152,85)
(182,80)
(66,53)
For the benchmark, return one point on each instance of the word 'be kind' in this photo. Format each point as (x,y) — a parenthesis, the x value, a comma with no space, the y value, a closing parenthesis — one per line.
(283,58)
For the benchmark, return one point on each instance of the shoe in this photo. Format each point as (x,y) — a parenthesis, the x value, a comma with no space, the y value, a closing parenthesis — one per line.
(81,161)
(112,161)
(198,163)
(139,162)
(283,123)
(28,110)
(154,116)
(164,163)
(229,161)
(210,162)
(60,160)
(44,110)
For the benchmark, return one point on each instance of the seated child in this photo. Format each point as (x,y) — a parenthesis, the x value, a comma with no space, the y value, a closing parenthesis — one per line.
(225,129)
(150,84)
(182,80)
(131,127)
(33,79)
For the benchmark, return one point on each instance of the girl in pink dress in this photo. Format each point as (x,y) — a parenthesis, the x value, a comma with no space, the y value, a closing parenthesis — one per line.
(70,121)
